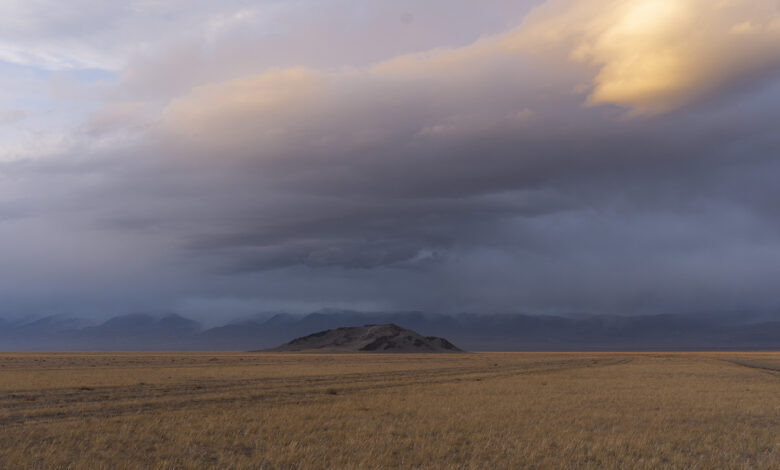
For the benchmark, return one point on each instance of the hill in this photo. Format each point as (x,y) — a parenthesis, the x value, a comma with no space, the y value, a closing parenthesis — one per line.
(389,338)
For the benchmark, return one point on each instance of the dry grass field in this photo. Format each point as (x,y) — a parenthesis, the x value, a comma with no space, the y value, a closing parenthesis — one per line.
(470,411)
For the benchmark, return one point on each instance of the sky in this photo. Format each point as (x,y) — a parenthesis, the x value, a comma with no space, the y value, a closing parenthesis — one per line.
(219,159)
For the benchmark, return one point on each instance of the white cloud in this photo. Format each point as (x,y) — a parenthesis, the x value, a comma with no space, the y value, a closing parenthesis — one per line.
(11,116)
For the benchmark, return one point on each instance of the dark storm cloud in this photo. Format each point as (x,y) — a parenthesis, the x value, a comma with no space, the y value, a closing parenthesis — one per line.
(506,174)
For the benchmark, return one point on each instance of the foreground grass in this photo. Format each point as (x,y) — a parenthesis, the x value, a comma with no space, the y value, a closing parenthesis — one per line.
(512,410)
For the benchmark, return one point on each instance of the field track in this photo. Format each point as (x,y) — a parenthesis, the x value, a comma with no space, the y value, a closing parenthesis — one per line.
(348,411)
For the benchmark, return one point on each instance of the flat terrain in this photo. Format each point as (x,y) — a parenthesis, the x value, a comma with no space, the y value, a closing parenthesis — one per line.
(472,411)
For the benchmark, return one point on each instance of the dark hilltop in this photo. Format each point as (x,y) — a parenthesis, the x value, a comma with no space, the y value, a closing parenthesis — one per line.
(388,338)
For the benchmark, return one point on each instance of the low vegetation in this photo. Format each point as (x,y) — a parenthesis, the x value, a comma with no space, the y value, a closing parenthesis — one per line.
(471,411)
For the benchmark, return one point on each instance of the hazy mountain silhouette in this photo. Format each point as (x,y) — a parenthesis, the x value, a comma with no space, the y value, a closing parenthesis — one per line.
(474,332)
(141,331)
(126,332)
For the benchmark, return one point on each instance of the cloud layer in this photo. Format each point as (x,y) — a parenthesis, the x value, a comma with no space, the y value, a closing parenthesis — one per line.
(599,156)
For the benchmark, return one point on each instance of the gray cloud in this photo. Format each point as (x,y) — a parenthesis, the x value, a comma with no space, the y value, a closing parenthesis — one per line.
(483,176)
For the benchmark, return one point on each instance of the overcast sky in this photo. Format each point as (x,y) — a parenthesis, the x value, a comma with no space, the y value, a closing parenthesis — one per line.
(218,159)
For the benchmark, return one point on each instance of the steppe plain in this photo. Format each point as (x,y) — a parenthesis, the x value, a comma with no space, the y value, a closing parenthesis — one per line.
(349,411)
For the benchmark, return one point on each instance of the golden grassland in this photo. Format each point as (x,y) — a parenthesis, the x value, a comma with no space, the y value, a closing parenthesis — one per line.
(469,411)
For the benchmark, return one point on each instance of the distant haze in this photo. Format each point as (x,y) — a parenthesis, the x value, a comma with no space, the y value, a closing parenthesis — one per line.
(220,159)
(473,332)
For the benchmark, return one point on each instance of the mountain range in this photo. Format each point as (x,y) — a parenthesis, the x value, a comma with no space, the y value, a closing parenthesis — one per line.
(474,332)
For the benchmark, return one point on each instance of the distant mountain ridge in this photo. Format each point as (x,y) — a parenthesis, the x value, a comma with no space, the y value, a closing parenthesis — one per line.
(124,332)
(473,332)
(389,338)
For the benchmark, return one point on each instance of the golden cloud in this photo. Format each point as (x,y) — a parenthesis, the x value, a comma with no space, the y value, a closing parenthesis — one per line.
(649,56)
(653,56)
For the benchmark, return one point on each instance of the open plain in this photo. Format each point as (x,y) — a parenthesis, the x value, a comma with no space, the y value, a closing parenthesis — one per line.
(471,411)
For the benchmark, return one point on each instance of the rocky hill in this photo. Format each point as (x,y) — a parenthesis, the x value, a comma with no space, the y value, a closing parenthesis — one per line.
(389,338)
